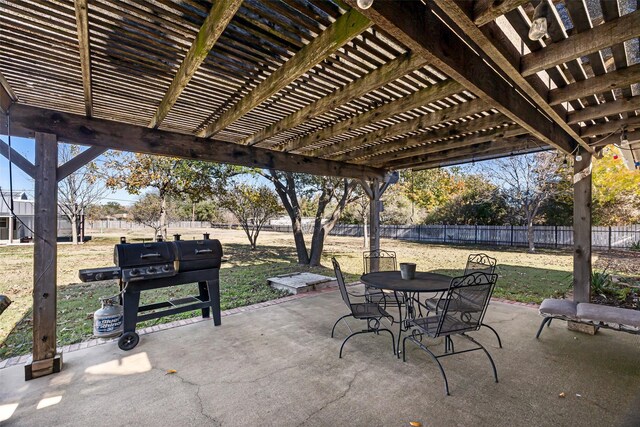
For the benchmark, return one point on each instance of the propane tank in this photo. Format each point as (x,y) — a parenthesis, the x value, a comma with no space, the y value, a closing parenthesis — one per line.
(108,320)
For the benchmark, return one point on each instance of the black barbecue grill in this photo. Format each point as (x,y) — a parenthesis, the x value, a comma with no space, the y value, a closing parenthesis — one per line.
(144,266)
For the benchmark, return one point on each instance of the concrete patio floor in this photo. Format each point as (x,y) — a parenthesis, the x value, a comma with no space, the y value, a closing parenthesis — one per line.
(277,366)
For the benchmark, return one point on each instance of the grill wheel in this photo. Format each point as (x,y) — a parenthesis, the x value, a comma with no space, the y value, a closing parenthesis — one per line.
(128,340)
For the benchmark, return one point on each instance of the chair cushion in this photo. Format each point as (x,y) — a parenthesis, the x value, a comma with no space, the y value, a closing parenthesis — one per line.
(558,307)
(608,314)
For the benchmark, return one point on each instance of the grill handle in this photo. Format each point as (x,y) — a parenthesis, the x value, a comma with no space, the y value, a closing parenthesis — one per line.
(153,255)
(203,251)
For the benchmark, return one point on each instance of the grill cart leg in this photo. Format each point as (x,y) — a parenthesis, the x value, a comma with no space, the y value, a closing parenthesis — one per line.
(213,287)
(204,296)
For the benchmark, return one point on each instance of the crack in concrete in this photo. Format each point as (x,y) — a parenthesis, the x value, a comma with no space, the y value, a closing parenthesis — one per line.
(323,407)
(250,381)
(197,395)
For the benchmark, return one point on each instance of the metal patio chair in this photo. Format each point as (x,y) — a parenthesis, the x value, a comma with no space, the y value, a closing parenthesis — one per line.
(473,292)
(386,261)
(368,311)
(481,263)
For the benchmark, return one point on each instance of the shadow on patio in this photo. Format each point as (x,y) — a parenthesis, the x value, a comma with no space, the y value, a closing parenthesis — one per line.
(278,366)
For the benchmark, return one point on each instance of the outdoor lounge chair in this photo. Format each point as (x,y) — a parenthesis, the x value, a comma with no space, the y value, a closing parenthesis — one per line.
(372,313)
(473,292)
(482,263)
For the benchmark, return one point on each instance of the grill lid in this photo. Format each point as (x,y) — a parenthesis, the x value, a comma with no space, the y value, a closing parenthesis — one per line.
(142,254)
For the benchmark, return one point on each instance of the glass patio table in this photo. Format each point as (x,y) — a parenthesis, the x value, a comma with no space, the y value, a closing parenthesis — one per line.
(423,281)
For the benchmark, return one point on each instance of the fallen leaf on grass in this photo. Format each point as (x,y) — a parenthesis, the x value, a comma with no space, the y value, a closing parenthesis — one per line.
(171,371)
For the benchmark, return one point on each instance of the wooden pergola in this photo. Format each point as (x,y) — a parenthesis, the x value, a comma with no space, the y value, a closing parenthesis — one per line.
(321,87)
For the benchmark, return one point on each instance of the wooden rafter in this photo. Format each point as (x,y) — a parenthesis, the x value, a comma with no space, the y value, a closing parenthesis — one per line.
(434,143)
(505,58)
(214,25)
(485,11)
(76,129)
(424,33)
(417,99)
(343,30)
(607,109)
(612,126)
(415,125)
(393,70)
(583,43)
(595,85)
(82,24)
(482,150)
(614,139)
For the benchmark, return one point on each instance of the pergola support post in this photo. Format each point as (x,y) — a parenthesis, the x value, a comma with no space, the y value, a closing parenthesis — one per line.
(45,359)
(582,229)
(374,190)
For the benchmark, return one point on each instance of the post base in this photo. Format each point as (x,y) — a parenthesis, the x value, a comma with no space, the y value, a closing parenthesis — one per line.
(582,327)
(40,368)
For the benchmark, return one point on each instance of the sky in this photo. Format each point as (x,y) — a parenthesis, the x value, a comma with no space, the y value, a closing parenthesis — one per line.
(23,182)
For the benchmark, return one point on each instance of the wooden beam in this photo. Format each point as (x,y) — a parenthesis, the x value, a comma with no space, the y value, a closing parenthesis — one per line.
(392,70)
(439,116)
(483,150)
(25,165)
(494,47)
(82,24)
(614,139)
(595,85)
(583,43)
(630,123)
(76,129)
(343,30)
(485,11)
(78,161)
(582,229)
(417,99)
(452,147)
(45,258)
(375,206)
(417,27)
(603,110)
(422,143)
(214,25)
(7,96)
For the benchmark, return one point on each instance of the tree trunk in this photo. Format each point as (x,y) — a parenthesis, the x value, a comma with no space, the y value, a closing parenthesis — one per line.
(74,228)
(298,238)
(530,237)
(317,245)
(163,217)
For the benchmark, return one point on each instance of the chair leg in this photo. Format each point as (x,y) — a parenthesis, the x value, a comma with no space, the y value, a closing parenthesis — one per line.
(435,359)
(347,339)
(393,340)
(338,321)
(546,320)
(495,332)
(493,365)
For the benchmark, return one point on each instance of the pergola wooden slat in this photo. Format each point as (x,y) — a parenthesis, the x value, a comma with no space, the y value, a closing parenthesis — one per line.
(314,86)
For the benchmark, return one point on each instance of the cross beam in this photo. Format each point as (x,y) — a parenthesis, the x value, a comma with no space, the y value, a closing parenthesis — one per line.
(75,129)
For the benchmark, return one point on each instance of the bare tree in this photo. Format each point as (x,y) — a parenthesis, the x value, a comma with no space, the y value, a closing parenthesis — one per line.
(527,181)
(79,190)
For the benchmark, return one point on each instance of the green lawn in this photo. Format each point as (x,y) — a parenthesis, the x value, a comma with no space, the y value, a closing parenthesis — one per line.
(522,276)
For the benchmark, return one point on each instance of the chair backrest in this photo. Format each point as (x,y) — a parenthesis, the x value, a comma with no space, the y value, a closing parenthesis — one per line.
(480,263)
(341,284)
(465,303)
(379,260)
